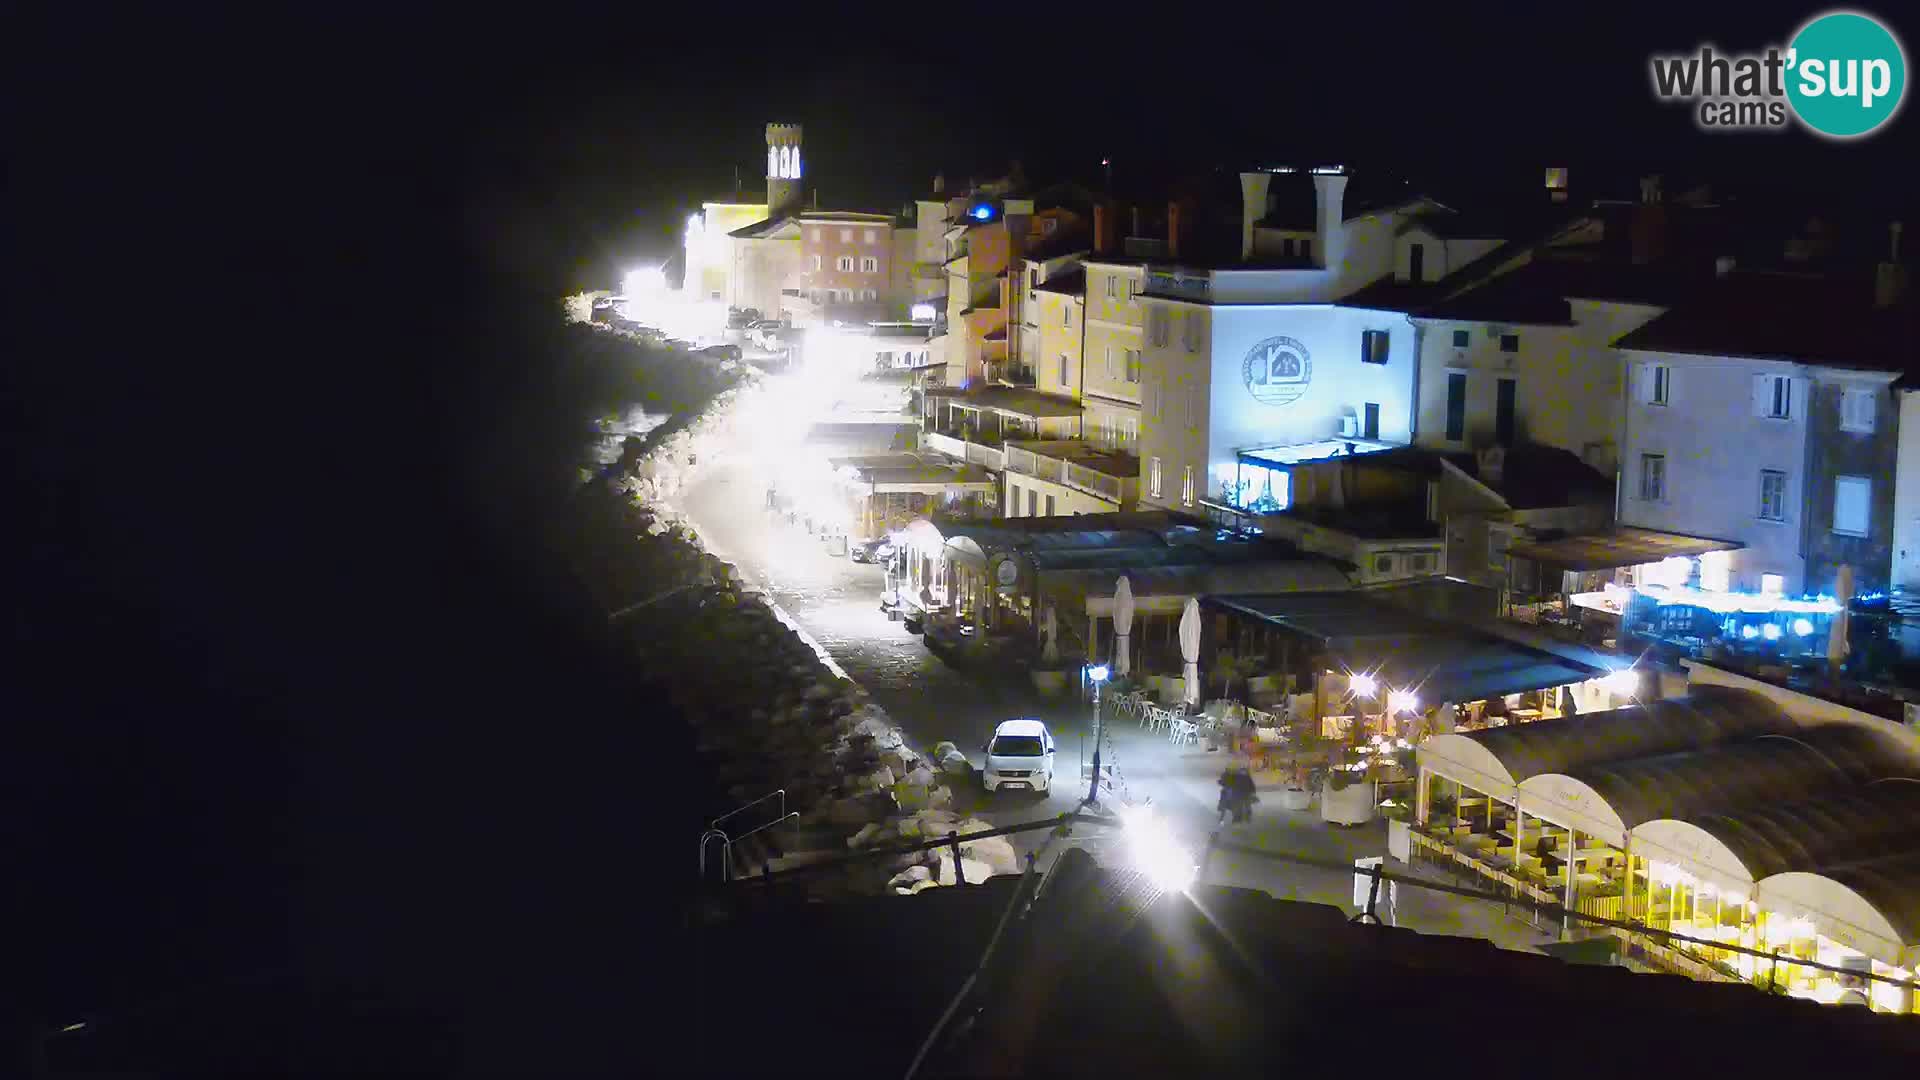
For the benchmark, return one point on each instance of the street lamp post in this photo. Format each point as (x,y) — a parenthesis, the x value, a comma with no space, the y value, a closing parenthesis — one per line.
(1097,674)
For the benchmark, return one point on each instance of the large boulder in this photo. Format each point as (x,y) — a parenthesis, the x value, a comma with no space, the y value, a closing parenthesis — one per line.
(911,876)
(975,870)
(995,851)
(880,779)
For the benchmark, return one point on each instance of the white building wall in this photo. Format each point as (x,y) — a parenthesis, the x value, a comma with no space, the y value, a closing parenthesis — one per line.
(1066,500)
(1200,411)
(1906,494)
(1715,444)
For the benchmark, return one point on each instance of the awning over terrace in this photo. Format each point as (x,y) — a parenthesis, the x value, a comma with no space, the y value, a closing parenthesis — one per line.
(1619,547)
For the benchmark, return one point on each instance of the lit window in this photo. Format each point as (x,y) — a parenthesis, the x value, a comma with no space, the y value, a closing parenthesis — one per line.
(869,264)
(1153,478)
(1113,286)
(1773,495)
(1772,584)
(845,264)
(1852,505)
(1856,411)
(1653,477)
(1133,366)
(1186,487)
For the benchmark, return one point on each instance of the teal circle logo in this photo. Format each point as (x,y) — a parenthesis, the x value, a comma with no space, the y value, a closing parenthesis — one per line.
(1847,74)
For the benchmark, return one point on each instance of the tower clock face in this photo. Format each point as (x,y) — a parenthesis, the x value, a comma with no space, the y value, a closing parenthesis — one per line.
(1277,371)
(1008,572)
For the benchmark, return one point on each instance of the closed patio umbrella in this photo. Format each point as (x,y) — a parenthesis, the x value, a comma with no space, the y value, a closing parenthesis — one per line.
(1049,635)
(1190,650)
(1122,626)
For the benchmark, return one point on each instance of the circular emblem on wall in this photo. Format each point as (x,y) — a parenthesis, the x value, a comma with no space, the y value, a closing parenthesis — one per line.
(1007,573)
(1277,371)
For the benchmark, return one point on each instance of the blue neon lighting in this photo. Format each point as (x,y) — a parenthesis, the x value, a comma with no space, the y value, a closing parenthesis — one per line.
(981,212)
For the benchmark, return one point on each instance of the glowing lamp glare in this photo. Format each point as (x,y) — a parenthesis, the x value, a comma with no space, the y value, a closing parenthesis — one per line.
(1803,627)
(1362,685)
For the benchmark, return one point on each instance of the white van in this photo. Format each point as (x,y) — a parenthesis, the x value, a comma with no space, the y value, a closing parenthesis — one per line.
(1020,755)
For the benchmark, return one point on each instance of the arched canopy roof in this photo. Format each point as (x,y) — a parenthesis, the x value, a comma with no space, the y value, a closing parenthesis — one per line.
(1609,798)
(1498,760)
(1872,906)
(1738,848)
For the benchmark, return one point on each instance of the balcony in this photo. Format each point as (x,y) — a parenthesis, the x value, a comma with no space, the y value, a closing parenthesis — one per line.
(1113,475)
(959,448)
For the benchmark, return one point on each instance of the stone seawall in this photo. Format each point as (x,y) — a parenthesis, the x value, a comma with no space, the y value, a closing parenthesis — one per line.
(769,707)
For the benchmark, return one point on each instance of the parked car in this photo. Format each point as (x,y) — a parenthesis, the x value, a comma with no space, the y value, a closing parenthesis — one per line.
(1020,755)
(871,551)
(740,319)
(722,352)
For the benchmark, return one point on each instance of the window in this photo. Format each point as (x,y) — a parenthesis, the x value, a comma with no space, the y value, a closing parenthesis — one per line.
(1497,549)
(1419,564)
(1306,247)
(1186,486)
(813,236)
(1653,477)
(1373,346)
(869,264)
(1153,478)
(1047,225)
(1066,316)
(1050,509)
(873,294)
(1195,331)
(867,236)
(1063,369)
(1383,564)
(1110,369)
(1456,405)
(1462,338)
(1158,321)
(1133,365)
(1133,289)
(1773,584)
(1013,499)
(1773,396)
(1659,385)
(1033,280)
(1286,247)
(1852,505)
(1113,286)
(1417,262)
(846,236)
(844,264)
(1509,342)
(1856,411)
(1033,502)
(816,264)
(1773,495)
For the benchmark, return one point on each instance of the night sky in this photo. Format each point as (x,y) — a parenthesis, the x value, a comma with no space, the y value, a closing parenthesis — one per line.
(298,707)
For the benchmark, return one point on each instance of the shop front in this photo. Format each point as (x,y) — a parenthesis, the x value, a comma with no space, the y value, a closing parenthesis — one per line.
(1582,585)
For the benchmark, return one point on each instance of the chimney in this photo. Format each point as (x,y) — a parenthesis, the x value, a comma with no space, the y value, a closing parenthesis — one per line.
(1330,229)
(1136,222)
(1173,229)
(1102,229)
(1723,266)
(1647,231)
(1890,278)
(1253,207)
(939,183)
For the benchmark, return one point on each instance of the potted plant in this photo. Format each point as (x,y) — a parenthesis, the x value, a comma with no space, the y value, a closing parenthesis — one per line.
(1347,798)
(1049,673)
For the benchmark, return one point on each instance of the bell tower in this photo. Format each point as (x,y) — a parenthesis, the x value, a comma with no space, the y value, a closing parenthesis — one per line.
(784,170)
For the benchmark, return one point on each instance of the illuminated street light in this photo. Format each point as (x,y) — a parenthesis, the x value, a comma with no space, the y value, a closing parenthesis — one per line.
(1803,627)
(1402,701)
(646,281)
(1154,852)
(1363,685)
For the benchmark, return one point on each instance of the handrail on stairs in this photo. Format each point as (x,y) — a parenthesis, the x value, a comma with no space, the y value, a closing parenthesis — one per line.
(780,794)
(726,842)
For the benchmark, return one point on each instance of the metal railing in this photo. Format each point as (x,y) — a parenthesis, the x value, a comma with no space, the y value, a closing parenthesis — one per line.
(1095,482)
(715,832)
(991,457)
(1632,931)
(1023,461)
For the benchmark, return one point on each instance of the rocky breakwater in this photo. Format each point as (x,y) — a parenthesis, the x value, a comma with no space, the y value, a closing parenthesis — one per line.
(768,712)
